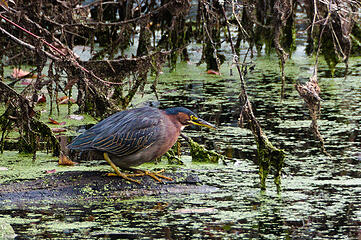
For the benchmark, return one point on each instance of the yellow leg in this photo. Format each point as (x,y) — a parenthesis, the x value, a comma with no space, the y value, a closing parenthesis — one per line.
(106,157)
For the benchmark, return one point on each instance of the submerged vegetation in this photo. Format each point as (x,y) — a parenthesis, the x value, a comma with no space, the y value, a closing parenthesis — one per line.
(128,41)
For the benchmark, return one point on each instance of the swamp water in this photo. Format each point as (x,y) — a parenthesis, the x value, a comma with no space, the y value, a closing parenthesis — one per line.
(320,196)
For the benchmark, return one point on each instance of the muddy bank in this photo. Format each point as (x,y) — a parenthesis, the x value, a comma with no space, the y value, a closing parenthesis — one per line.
(96,185)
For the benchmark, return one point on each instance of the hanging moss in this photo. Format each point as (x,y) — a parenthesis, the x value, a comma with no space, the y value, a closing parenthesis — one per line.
(328,51)
(356,39)
(31,132)
(144,41)
(44,133)
(212,36)
(269,157)
(288,39)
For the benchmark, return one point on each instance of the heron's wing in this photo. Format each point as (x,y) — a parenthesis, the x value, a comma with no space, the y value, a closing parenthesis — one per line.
(137,130)
(127,143)
(84,141)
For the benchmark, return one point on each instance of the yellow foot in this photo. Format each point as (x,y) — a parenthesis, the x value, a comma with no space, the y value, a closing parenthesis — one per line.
(118,173)
(125,176)
(155,175)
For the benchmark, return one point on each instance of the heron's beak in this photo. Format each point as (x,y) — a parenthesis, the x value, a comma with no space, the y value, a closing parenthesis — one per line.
(201,122)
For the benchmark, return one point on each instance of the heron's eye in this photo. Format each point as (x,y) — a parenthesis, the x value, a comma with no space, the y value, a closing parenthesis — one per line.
(193,118)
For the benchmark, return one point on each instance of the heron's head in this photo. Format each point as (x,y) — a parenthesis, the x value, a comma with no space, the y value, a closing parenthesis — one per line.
(186,117)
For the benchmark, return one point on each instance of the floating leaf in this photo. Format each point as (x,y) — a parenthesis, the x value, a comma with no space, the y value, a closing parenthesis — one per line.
(160,206)
(65,100)
(210,71)
(50,171)
(196,210)
(52,121)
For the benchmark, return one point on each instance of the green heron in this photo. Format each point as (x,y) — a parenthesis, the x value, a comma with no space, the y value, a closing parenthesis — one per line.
(132,137)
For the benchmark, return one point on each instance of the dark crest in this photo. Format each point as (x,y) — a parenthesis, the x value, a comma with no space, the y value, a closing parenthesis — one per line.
(176,110)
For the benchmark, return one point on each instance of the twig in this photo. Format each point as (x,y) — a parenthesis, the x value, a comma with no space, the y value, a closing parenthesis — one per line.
(235,59)
(314,15)
(239,23)
(315,69)
(27,45)
(33,35)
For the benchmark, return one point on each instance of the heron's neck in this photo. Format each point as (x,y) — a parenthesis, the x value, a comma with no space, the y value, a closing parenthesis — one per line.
(174,119)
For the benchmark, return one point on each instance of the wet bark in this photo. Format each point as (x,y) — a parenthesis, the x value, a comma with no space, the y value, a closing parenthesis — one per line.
(75,185)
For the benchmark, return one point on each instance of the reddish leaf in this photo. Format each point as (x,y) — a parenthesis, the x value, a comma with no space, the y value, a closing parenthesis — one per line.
(90,218)
(26,81)
(52,121)
(65,100)
(62,98)
(210,71)
(4,4)
(50,171)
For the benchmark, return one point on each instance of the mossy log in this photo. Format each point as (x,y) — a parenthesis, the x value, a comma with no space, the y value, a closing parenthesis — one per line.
(91,185)
(200,154)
